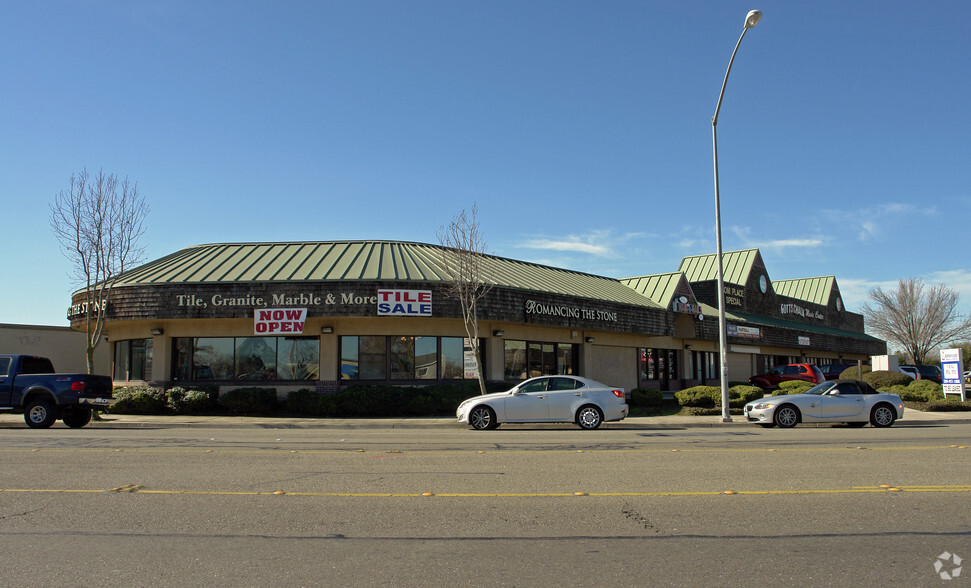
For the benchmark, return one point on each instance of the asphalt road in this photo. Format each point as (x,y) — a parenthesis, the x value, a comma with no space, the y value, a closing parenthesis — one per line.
(445,506)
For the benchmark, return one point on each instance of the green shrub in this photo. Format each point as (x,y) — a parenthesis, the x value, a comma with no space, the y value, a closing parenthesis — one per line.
(884,379)
(419,405)
(362,401)
(904,392)
(249,401)
(193,401)
(741,394)
(138,400)
(792,387)
(928,389)
(646,397)
(853,373)
(699,396)
(951,404)
(306,402)
(711,396)
(445,398)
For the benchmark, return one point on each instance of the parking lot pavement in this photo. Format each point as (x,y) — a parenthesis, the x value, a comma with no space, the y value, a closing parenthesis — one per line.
(911,418)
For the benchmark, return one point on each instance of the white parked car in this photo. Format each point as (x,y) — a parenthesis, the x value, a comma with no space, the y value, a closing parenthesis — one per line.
(840,401)
(546,399)
(910,371)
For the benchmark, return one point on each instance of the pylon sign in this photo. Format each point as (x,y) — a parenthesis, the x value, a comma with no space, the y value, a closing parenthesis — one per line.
(953,368)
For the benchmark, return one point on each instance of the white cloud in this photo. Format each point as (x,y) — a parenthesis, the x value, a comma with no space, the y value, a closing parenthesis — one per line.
(743,233)
(571,244)
(598,243)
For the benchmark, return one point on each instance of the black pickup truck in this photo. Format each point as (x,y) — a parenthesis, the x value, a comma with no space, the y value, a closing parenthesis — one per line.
(29,385)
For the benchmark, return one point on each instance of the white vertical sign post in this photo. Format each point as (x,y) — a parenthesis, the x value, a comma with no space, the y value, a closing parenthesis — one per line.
(953,367)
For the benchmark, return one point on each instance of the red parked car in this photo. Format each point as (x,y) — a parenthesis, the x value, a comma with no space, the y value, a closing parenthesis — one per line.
(784,373)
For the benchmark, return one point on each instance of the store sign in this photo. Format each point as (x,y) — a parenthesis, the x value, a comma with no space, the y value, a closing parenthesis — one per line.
(682,304)
(804,341)
(952,367)
(274,321)
(471,369)
(734,296)
(81,308)
(574,312)
(404,302)
(744,332)
(789,308)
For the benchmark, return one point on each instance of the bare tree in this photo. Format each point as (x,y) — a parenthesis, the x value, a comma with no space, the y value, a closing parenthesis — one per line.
(98,222)
(916,318)
(463,256)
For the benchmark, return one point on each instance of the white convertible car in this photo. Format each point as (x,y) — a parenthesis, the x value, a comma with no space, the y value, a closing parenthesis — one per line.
(836,401)
(546,399)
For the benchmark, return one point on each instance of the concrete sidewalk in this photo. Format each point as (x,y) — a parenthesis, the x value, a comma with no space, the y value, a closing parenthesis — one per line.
(911,418)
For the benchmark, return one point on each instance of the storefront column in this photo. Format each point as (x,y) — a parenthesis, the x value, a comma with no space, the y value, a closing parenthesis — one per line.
(329,360)
(586,359)
(161,359)
(495,356)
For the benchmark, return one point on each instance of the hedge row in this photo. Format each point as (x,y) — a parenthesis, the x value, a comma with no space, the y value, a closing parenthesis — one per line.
(353,401)
(711,396)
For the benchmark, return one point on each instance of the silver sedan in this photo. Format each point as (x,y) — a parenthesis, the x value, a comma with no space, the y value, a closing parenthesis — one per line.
(546,399)
(847,401)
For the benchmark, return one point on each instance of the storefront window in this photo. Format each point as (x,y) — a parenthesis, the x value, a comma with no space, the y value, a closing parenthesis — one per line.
(402,358)
(349,358)
(409,357)
(256,358)
(453,358)
(426,352)
(246,358)
(213,359)
(515,360)
(711,369)
(133,360)
(535,358)
(372,355)
(564,359)
(658,364)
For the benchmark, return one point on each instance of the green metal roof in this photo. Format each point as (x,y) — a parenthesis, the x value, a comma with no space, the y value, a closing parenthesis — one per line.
(660,288)
(332,261)
(815,290)
(736,266)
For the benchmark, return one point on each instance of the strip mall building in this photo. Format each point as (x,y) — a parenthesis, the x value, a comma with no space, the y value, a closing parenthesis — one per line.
(327,314)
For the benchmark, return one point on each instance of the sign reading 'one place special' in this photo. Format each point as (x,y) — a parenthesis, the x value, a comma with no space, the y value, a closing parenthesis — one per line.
(273,321)
(405,302)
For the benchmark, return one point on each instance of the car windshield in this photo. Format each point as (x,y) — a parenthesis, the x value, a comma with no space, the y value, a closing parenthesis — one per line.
(820,389)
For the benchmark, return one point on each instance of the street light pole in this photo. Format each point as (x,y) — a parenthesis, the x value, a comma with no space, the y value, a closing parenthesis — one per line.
(751,19)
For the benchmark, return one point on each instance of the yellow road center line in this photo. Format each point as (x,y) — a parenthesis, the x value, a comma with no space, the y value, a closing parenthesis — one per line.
(141,490)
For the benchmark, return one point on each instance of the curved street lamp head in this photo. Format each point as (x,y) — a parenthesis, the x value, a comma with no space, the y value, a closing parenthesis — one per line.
(752,18)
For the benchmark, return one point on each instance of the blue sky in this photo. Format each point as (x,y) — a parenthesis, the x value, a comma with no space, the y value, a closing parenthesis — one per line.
(581,130)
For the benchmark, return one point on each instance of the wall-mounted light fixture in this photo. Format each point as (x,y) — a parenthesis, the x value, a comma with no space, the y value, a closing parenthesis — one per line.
(326,330)
(157,331)
(498,333)
(589,339)
(687,346)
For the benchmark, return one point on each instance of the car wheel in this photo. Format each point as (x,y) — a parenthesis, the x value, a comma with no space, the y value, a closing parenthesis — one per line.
(882,415)
(786,416)
(589,417)
(76,416)
(482,418)
(40,414)
(857,424)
